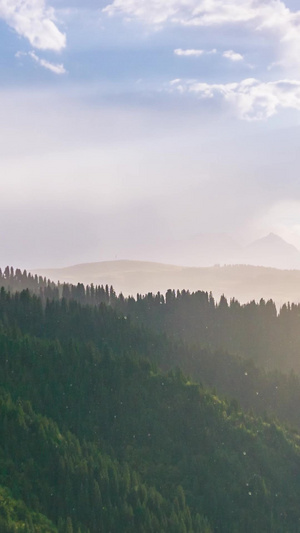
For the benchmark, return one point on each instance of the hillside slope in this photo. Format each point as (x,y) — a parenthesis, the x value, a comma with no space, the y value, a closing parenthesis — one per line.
(242,282)
(96,438)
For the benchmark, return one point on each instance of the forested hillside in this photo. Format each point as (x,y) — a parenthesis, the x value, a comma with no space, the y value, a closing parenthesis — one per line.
(253,330)
(256,331)
(101,431)
(222,344)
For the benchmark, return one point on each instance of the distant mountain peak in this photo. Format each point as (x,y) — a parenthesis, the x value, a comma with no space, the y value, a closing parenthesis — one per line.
(272,239)
(272,250)
(273,235)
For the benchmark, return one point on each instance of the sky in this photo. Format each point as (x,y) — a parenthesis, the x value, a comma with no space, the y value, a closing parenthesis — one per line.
(128,124)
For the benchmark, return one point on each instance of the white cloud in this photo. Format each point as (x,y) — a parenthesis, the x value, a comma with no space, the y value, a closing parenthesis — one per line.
(34,21)
(251,99)
(233,56)
(268,16)
(193,52)
(202,12)
(175,82)
(56,68)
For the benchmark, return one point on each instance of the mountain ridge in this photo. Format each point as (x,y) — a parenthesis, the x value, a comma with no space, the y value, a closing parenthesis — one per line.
(244,282)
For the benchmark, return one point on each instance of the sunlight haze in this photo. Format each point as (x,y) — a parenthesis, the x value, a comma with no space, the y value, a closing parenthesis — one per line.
(130,127)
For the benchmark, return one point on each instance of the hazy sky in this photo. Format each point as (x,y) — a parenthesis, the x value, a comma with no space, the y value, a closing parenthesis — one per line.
(129,123)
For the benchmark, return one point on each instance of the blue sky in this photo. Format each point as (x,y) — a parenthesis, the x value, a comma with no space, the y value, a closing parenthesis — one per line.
(131,123)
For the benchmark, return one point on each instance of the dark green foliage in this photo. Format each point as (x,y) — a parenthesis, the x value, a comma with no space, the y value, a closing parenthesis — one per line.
(253,330)
(66,477)
(232,376)
(75,485)
(16,517)
(100,433)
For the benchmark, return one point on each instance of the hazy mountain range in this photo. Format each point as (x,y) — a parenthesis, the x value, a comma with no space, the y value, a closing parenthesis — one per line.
(240,281)
(219,248)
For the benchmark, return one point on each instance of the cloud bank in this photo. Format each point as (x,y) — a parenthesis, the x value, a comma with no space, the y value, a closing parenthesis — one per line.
(271,16)
(34,21)
(251,99)
(272,13)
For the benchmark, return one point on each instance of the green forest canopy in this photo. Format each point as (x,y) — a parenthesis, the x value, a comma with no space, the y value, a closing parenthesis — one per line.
(101,430)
